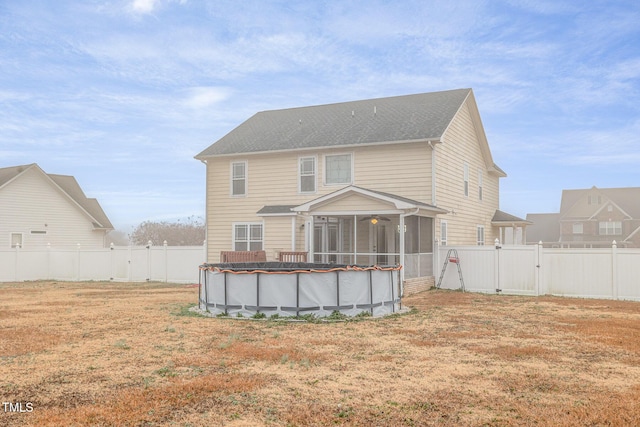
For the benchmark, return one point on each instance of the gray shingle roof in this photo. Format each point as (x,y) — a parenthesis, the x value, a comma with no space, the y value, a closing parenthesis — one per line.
(276,209)
(422,116)
(500,216)
(627,198)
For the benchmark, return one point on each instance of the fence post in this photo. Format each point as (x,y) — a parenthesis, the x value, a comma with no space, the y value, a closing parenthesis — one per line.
(497,265)
(537,268)
(149,244)
(129,264)
(111,249)
(436,260)
(614,269)
(165,245)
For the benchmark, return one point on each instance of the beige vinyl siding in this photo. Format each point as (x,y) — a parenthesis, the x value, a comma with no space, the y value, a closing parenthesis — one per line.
(460,146)
(272,179)
(277,235)
(355,203)
(34,201)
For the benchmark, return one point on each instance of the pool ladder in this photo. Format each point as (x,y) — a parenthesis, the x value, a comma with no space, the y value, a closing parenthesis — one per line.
(452,257)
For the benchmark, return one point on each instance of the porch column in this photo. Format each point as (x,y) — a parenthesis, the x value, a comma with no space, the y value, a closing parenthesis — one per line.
(402,247)
(311,232)
(355,239)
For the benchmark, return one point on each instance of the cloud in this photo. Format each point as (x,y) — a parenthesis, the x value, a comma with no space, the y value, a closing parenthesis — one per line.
(144,6)
(204,97)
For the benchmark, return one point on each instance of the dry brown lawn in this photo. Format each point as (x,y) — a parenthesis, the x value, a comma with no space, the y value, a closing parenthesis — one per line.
(112,354)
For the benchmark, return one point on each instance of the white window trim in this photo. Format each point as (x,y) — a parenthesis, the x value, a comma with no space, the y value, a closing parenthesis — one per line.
(324,167)
(443,241)
(580,229)
(315,174)
(246,178)
(480,185)
(248,224)
(610,228)
(480,242)
(465,180)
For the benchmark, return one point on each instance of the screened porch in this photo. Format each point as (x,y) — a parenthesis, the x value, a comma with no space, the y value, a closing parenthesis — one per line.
(374,239)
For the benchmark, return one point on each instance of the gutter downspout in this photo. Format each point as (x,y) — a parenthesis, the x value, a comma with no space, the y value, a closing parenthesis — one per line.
(433,174)
(436,248)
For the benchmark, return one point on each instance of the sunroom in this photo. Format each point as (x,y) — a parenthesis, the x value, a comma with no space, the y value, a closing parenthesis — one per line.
(366,227)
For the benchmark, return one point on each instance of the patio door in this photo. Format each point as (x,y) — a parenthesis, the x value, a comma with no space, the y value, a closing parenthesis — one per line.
(380,243)
(325,242)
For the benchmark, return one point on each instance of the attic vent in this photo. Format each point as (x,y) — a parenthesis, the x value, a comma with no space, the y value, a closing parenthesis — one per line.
(374,110)
(353,113)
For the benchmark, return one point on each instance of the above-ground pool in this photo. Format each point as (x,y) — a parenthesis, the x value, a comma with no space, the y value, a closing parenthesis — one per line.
(296,289)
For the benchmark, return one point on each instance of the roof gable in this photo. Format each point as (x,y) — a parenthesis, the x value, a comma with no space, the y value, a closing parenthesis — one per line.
(420,117)
(68,186)
(586,203)
(375,200)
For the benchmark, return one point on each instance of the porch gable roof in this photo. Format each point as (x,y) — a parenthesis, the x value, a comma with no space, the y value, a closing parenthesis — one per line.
(398,202)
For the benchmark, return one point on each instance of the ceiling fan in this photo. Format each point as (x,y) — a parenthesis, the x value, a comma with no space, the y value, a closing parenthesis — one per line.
(374,219)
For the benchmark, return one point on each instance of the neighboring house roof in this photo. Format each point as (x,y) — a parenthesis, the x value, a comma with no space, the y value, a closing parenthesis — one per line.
(69,186)
(544,227)
(502,218)
(627,199)
(397,119)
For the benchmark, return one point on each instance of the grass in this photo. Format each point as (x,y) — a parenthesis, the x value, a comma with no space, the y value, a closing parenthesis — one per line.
(114,354)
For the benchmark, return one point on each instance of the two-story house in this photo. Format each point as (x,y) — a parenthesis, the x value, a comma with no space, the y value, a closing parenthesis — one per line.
(377,181)
(38,210)
(591,218)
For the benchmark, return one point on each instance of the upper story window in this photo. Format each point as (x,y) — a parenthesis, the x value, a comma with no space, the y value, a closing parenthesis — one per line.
(480,184)
(307,170)
(247,237)
(610,228)
(239,178)
(338,169)
(466,180)
(480,235)
(578,228)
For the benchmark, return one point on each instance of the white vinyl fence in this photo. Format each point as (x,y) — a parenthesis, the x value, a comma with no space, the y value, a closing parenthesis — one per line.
(178,264)
(609,273)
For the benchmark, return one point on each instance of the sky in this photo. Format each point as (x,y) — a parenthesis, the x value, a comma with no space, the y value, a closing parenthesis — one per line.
(123,94)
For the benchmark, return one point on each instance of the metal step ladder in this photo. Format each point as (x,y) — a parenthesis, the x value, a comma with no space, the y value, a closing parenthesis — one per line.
(452,257)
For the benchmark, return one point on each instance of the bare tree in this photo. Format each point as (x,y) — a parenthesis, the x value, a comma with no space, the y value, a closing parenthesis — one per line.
(189,232)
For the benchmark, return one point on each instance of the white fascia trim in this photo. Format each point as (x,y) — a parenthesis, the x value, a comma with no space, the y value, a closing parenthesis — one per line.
(399,204)
(277,214)
(358,213)
(318,148)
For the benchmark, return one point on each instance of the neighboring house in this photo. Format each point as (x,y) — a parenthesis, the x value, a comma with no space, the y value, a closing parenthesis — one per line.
(39,209)
(590,218)
(372,181)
